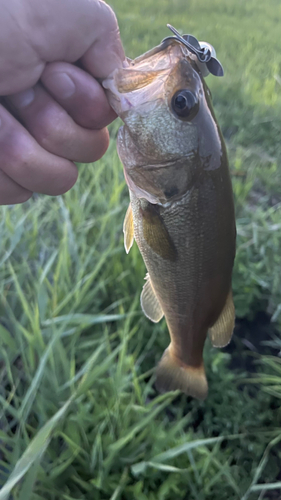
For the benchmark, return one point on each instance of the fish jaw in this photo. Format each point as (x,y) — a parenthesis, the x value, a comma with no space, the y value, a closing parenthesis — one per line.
(139,82)
(123,100)
(140,189)
(158,183)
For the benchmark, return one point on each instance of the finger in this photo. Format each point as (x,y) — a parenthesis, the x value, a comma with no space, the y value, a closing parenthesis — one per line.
(79,94)
(55,130)
(106,53)
(28,164)
(41,32)
(89,31)
(10,192)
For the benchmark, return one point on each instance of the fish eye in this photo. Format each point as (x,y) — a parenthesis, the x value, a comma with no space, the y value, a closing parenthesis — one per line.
(185,104)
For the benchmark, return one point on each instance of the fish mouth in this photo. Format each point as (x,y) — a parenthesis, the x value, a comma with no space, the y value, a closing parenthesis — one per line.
(129,90)
(142,80)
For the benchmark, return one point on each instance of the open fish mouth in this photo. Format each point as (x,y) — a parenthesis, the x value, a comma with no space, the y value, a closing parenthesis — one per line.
(129,89)
(123,102)
(142,80)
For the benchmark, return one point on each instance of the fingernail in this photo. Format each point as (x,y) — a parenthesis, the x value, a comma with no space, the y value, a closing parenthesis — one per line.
(60,84)
(22,99)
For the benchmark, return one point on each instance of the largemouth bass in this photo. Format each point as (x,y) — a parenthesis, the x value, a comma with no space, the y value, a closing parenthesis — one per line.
(181,210)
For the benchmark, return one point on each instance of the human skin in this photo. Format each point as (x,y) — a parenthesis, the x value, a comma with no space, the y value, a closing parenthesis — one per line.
(53,111)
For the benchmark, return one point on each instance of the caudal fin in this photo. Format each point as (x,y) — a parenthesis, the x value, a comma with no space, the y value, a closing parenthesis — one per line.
(171,375)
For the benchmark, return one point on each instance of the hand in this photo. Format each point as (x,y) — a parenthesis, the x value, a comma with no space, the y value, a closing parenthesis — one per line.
(53,112)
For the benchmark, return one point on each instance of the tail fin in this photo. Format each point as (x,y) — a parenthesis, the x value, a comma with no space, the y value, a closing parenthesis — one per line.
(171,375)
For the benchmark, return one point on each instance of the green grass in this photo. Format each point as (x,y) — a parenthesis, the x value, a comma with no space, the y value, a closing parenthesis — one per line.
(79,415)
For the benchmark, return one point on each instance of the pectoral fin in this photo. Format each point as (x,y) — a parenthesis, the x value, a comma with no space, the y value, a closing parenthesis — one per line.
(149,302)
(128,229)
(156,234)
(221,331)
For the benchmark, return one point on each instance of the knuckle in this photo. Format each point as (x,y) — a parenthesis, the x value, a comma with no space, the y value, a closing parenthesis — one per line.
(109,17)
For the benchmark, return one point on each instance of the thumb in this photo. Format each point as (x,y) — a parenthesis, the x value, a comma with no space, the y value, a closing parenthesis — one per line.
(106,53)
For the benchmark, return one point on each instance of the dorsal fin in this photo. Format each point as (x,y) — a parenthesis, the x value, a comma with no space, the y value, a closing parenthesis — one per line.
(149,302)
(221,332)
(128,229)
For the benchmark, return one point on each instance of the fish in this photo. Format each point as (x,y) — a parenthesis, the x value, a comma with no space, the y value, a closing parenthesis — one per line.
(181,211)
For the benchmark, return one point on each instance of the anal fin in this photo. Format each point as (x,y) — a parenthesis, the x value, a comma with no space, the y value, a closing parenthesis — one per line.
(149,302)
(221,332)
(128,229)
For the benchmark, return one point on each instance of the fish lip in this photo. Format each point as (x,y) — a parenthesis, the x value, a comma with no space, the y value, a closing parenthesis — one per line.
(149,53)
(119,102)
(159,48)
(110,87)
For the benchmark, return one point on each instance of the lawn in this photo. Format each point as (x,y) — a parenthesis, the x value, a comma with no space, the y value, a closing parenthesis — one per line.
(80,418)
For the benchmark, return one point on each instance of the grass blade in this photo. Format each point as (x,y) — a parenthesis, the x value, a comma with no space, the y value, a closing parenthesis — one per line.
(34,452)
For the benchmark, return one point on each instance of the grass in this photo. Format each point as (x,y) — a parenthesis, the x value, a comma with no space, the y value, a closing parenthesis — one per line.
(79,415)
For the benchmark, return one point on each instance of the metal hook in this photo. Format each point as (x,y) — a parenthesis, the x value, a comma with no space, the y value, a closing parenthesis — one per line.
(203,52)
